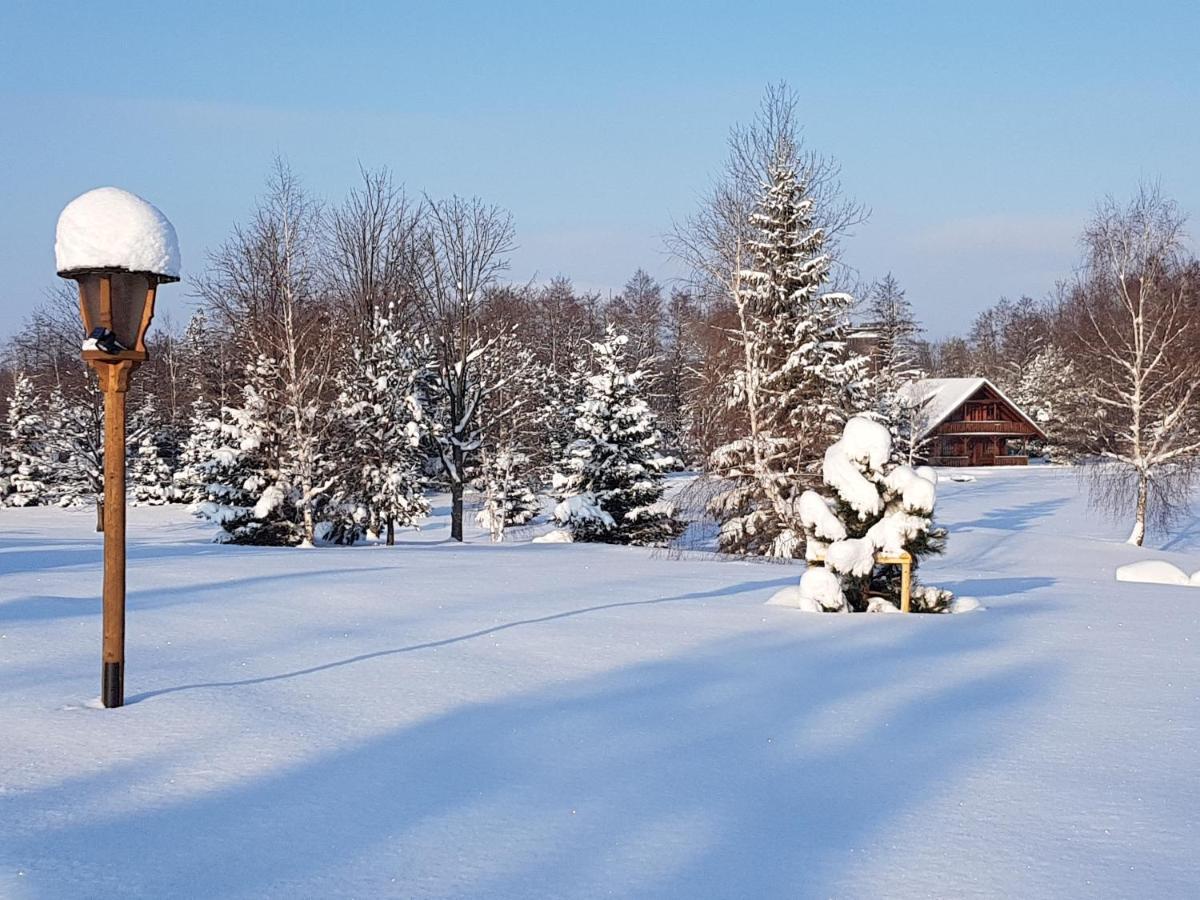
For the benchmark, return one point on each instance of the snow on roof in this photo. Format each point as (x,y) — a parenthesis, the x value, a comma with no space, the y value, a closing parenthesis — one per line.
(942,396)
(108,228)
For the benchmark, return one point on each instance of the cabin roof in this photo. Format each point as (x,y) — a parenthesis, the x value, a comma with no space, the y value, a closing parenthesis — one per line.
(942,396)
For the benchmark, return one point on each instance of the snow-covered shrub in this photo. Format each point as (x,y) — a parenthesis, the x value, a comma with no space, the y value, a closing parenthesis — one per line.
(876,506)
(611,482)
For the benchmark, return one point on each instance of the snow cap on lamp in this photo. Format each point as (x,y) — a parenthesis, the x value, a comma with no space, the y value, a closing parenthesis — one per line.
(111,229)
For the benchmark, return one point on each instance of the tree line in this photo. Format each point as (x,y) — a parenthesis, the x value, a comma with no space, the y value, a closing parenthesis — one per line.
(345,358)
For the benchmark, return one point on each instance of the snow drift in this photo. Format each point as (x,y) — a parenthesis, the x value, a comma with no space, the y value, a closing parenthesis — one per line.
(1157,571)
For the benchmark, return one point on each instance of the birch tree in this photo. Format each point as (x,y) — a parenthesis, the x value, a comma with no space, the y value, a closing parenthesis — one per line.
(265,284)
(1138,336)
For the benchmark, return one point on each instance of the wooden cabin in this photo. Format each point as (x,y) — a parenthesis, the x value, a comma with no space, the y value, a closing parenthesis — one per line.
(969,422)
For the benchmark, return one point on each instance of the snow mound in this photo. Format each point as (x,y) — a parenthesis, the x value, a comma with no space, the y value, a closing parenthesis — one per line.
(819,591)
(557,536)
(962,478)
(965,604)
(111,228)
(881,605)
(1154,571)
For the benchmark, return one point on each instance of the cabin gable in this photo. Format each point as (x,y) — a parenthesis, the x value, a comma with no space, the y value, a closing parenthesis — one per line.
(972,423)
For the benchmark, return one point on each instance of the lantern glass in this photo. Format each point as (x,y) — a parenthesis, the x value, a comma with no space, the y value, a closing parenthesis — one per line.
(123,310)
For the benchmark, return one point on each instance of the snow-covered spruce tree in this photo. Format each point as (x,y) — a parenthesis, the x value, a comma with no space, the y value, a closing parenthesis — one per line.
(382,394)
(797,380)
(1055,394)
(76,440)
(246,493)
(199,448)
(25,474)
(153,451)
(876,505)
(610,485)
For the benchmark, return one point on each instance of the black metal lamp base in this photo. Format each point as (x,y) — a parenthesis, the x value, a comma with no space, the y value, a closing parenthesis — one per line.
(113,685)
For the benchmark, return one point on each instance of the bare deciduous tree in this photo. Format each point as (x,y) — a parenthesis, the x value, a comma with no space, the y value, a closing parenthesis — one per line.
(372,254)
(1137,335)
(463,248)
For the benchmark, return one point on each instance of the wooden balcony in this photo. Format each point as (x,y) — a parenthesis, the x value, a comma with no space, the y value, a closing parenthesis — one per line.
(1010,428)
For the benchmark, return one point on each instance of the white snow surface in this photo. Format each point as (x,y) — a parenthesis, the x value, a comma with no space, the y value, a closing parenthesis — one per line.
(515,720)
(1154,571)
(111,228)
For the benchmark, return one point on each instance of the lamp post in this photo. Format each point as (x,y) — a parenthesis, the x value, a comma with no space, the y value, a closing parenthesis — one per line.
(118,248)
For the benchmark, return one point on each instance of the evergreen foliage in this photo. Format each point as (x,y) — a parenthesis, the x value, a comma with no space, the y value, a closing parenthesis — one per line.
(872,504)
(797,381)
(610,484)
(382,395)
(26,475)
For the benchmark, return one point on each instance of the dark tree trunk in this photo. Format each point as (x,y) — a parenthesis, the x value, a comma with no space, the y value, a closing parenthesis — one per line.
(391,532)
(456,510)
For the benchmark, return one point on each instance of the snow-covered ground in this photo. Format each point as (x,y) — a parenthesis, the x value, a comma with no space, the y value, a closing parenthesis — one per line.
(576,721)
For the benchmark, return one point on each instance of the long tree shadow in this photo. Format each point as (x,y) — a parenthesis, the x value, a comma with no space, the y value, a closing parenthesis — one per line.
(471,635)
(1015,518)
(746,767)
(46,607)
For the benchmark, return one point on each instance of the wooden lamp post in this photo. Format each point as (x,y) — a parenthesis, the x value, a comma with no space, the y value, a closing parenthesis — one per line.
(118,248)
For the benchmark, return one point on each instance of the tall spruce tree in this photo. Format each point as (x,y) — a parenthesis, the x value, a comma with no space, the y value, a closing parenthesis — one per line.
(611,482)
(797,380)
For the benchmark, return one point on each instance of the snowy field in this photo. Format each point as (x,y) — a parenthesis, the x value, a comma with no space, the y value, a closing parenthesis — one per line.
(535,720)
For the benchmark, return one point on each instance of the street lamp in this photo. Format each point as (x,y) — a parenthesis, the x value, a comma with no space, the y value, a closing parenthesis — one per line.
(119,249)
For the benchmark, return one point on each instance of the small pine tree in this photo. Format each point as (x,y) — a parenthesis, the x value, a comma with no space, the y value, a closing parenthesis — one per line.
(25,475)
(382,395)
(153,455)
(874,505)
(76,417)
(611,481)
(245,492)
(199,448)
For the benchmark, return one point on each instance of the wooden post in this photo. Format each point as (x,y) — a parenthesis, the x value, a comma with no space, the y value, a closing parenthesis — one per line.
(903,559)
(114,382)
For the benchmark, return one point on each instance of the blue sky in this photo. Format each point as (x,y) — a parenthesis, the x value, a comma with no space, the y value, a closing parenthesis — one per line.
(980,137)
